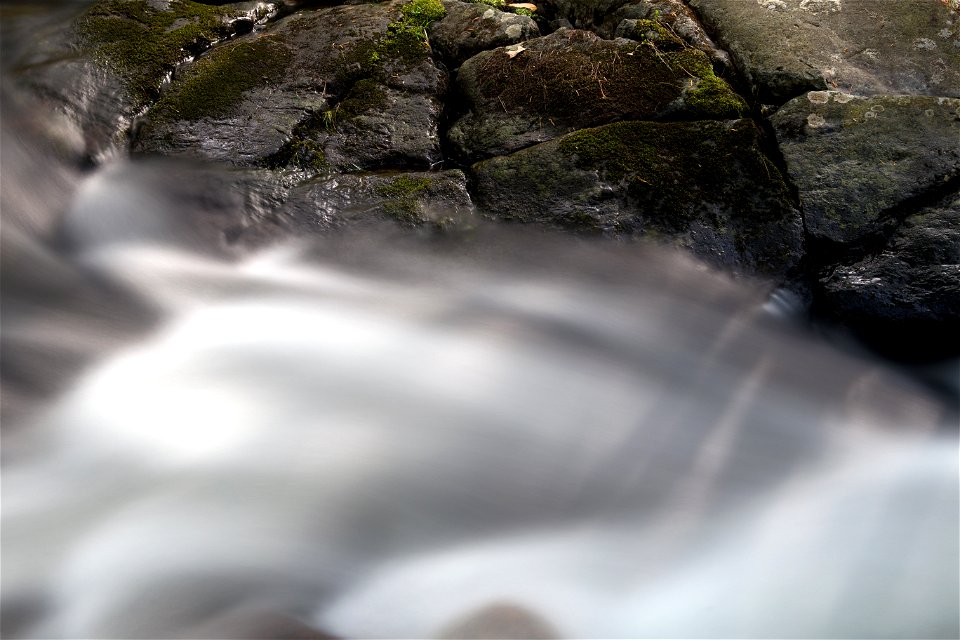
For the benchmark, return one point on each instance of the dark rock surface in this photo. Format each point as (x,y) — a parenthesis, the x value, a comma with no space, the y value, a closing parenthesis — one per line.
(469,28)
(702,185)
(868,47)
(857,159)
(911,289)
(322,90)
(572,79)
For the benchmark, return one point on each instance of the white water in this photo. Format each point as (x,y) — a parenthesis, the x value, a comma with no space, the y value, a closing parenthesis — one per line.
(502,436)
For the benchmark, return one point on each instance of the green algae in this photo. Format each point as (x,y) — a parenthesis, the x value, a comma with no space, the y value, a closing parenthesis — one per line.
(217,82)
(144,44)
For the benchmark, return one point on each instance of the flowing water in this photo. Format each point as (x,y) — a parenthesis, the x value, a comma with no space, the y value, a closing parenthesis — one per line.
(493,434)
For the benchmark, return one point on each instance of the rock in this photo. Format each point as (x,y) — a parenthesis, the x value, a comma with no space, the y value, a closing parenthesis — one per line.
(703,185)
(107,65)
(857,159)
(346,88)
(414,199)
(788,47)
(548,86)
(909,293)
(586,14)
(469,28)
(673,15)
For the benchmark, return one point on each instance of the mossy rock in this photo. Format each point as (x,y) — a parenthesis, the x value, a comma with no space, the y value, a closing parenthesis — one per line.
(143,43)
(321,91)
(572,79)
(433,201)
(703,185)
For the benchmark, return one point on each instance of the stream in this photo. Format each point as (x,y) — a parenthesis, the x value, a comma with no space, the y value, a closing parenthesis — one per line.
(380,433)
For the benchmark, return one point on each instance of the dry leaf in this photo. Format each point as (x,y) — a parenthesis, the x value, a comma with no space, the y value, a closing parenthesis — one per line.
(523,5)
(520,48)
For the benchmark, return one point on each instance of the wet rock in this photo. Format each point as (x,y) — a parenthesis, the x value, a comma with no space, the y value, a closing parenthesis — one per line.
(415,199)
(107,65)
(548,86)
(909,293)
(469,28)
(703,185)
(787,47)
(856,159)
(345,88)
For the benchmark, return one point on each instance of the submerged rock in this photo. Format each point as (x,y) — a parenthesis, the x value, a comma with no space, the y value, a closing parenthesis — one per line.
(470,28)
(857,159)
(413,199)
(907,295)
(788,47)
(571,79)
(350,87)
(703,185)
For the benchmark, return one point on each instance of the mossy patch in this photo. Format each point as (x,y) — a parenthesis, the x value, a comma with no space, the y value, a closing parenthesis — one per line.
(581,79)
(217,82)
(654,33)
(143,44)
(403,196)
(406,38)
(712,97)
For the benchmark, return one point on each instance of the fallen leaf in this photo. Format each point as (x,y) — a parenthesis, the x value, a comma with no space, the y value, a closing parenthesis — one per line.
(520,48)
(523,5)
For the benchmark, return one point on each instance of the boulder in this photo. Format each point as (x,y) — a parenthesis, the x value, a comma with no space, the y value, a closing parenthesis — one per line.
(345,88)
(908,294)
(703,185)
(788,47)
(431,200)
(548,86)
(856,160)
(469,28)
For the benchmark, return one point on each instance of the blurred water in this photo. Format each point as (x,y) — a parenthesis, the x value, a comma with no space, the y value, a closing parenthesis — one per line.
(496,434)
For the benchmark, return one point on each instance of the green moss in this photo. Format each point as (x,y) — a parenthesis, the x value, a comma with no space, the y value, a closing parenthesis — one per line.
(403,197)
(713,98)
(217,82)
(365,95)
(406,38)
(588,80)
(143,44)
(520,11)
(404,42)
(493,3)
(654,33)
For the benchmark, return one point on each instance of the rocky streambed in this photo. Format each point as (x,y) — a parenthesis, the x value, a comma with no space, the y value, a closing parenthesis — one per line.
(814,143)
